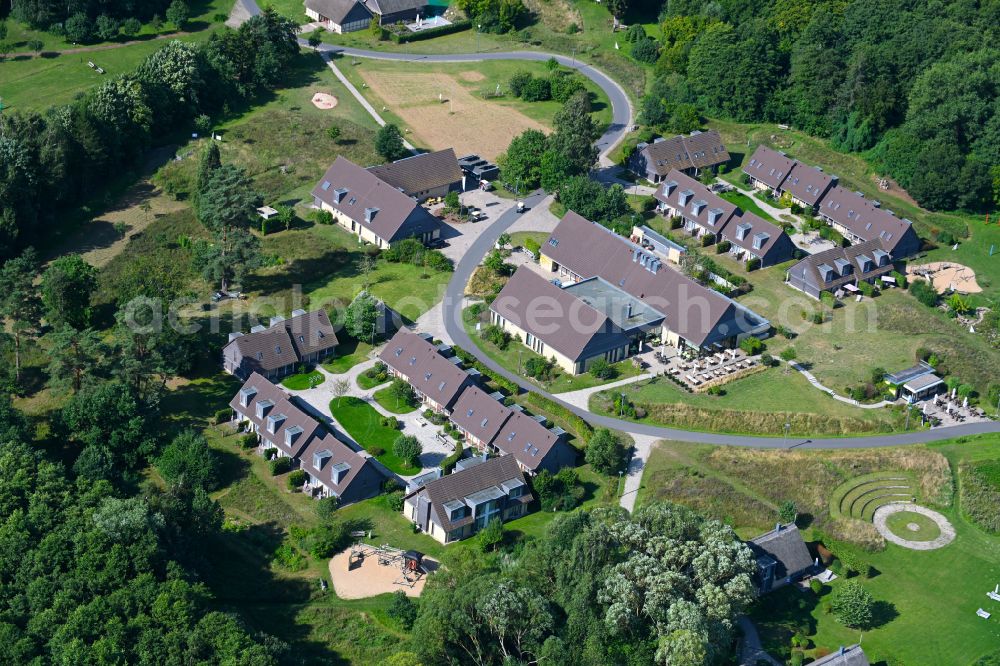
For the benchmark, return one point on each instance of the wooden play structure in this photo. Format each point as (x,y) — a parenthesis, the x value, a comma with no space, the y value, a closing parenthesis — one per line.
(409,562)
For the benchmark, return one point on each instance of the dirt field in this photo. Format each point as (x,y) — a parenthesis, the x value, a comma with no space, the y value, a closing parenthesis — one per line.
(462,120)
(369,579)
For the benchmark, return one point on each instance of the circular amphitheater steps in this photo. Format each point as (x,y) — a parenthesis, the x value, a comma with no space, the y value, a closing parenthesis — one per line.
(882,515)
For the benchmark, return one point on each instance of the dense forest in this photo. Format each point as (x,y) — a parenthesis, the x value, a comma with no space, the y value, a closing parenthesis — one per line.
(53,14)
(52,162)
(914,83)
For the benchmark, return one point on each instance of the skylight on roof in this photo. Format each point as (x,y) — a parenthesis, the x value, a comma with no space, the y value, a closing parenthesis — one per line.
(326,185)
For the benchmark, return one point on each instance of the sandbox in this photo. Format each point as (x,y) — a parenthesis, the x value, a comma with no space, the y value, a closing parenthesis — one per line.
(324,101)
(368,576)
(947,276)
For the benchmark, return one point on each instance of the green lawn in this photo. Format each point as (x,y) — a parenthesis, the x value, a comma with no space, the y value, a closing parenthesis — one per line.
(364,424)
(518,237)
(302,381)
(902,524)
(40,82)
(516,355)
(757,404)
(391,403)
(882,332)
(349,352)
(748,204)
(745,487)
(366,382)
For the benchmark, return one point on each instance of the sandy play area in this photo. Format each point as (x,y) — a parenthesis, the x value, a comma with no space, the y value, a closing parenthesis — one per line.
(947,276)
(457,119)
(324,101)
(371,578)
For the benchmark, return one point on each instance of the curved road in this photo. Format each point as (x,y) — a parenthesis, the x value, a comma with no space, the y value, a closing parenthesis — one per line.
(622,115)
(621,108)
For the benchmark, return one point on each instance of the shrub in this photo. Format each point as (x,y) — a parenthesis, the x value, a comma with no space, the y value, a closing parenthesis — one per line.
(394,501)
(248,441)
(390,422)
(723,247)
(270,453)
(326,540)
(296,479)
(707,240)
(752,346)
(752,264)
(537,90)
(866,288)
(448,464)
(852,605)
(496,335)
(787,512)
(223,415)
(605,452)
(402,610)
(827,299)
(558,492)
(518,81)
(945,238)
(924,292)
(491,536)
(280,465)
(900,279)
(408,449)
(766,360)
(601,369)
(376,451)
(646,50)
(816,586)
(788,354)
(532,246)
(326,507)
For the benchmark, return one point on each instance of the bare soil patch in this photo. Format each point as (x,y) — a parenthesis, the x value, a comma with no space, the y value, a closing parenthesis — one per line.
(472,76)
(947,276)
(441,113)
(369,578)
(557,15)
(324,101)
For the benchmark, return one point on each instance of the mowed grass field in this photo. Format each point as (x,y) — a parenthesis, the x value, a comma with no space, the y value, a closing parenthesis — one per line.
(444,105)
(36,83)
(928,600)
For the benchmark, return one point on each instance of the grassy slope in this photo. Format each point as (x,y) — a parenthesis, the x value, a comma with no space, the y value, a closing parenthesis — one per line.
(947,584)
(749,404)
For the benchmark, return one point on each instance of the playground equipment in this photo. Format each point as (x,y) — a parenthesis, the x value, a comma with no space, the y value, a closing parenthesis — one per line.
(410,562)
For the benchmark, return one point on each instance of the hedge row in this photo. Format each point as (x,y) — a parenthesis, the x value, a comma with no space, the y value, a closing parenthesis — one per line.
(502,382)
(402,38)
(448,464)
(582,429)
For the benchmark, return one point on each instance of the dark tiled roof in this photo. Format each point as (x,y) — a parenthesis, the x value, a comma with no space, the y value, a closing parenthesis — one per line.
(339,11)
(288,341)
(755,226)
(527,440)
(769,166)
(424,367)
(786,547)
(479,414)
(420,173)
(807,184)
(393,215)
(696,313)
(696,150)
(850,656)
(863,218)
(459,485)
(301,426)
(702,204)
(266,350)
(339,454)
(554,316)
(812,267)
(393,6)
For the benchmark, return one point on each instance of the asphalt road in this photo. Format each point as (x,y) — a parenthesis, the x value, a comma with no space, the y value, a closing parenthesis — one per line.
(622,115)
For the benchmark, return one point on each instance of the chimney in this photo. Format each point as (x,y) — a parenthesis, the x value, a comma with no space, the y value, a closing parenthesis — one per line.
(276,319)
(234,335)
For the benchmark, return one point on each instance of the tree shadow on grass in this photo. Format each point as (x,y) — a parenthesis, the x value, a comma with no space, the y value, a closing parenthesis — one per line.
(883,612)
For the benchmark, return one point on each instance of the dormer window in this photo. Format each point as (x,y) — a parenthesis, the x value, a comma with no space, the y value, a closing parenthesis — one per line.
(370,214)
(826,271)
(743,230)
(511,436)
(302,338)
(685,197)
(427,376)
(320,458)
(669,187)
(441,386)
(413,360)
(697,207)
(398,351)
(469,413)
(246,395)
(759,240)
(262,408)
(339,194)
(714,215)
(274,423)
(277,350)
(291,434)
(339,472)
